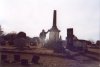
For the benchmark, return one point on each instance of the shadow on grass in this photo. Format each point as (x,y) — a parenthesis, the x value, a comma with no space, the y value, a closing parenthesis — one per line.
(91,55)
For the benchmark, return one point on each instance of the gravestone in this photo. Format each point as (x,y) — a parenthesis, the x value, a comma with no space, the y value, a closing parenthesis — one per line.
(16,58)
(4,59)
(24,62)
(35,59)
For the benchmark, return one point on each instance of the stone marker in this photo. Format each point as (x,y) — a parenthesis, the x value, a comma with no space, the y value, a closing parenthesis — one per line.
(4,59)
(24,62)
(35,59)
(16,58)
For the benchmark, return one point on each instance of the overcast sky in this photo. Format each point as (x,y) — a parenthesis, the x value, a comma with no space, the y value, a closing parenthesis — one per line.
(31,16)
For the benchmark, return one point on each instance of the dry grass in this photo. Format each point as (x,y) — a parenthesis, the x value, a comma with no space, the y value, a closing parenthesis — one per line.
(55,61)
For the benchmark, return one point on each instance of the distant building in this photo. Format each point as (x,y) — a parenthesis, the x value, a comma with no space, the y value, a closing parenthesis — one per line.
(1,32)
(54,31)
(98,43)
(80,45)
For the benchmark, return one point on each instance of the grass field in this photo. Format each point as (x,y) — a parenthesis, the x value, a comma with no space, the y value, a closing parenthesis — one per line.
(89,59)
